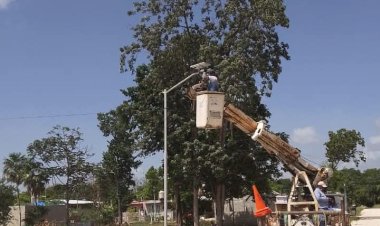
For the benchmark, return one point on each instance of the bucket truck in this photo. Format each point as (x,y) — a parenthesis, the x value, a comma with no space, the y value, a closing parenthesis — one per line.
(301,207)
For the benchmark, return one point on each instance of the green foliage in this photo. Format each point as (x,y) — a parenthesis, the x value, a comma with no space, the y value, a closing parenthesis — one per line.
(152,185)
(106,215)
(85,191)
(105,185)
(342,147)
(239,39)
(55,192)
(21,169)
(92,214)
(6,197)
(370,188)
(120,159)
(35,215)
(349,178)
(24,198)
(238,34)
(35,178)
(282,186)
(14,169)
(363,188)
(61,156)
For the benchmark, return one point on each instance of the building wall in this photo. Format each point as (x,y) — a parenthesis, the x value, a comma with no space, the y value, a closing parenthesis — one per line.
(55,213)
(15,221)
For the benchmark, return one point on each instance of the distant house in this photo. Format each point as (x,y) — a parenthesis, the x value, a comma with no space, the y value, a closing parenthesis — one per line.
(146,210)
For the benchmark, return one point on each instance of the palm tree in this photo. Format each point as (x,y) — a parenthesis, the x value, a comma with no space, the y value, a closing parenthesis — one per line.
(14,171)
(35,179)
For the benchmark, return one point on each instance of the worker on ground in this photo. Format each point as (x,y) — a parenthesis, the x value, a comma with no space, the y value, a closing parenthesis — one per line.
(320,195)
(323,200)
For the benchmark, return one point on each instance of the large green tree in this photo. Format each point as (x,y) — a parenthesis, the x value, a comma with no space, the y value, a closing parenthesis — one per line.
(63,157)
(239,38)
(6,197)
(14,171)
(153,183)
(342,146)
(120,159)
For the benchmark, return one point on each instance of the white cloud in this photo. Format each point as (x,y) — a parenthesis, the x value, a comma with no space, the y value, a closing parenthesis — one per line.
(4,3)
(372,149)
(374,140)
(306,135)
(372,154)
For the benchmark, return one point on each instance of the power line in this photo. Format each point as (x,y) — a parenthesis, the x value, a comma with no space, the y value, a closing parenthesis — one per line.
(45,116)
(307,159)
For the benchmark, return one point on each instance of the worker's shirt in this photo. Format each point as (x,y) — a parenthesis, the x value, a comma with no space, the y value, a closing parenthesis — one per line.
(322,199)
(213,83)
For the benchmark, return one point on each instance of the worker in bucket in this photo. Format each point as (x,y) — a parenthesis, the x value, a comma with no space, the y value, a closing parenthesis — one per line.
(213,84)
(208,82)
(323,200)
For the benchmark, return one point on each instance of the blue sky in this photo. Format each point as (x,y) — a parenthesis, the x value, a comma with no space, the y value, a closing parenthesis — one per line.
(332,80)
(62,58)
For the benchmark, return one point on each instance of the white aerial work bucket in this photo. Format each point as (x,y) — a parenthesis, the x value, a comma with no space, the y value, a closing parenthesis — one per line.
(161,195)
(210,106)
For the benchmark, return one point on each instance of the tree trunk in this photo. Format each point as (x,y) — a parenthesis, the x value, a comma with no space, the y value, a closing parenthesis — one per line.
(233,211)
(67,197)
(33,199)
(195,202)
(67,212)
(219,203)
(178,209)
(120,214)
(18,202)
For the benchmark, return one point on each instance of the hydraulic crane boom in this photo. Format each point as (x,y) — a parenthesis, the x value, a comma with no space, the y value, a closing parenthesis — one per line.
(274,145)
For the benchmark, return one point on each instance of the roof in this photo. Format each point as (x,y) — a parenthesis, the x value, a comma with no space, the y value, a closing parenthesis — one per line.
(77,202)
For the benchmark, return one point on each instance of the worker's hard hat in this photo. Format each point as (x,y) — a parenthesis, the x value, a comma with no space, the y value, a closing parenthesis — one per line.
(211,71)
(322,184)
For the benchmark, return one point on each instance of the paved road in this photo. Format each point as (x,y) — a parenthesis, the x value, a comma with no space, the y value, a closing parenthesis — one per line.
(368,217)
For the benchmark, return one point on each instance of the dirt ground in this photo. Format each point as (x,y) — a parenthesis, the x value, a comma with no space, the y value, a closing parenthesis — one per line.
(368,217)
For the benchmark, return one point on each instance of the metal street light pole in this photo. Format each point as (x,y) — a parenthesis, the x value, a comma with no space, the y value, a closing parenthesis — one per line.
(165,161)
(165,92)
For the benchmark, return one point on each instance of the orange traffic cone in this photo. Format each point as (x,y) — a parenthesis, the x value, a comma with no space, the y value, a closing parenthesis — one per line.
(261,209)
